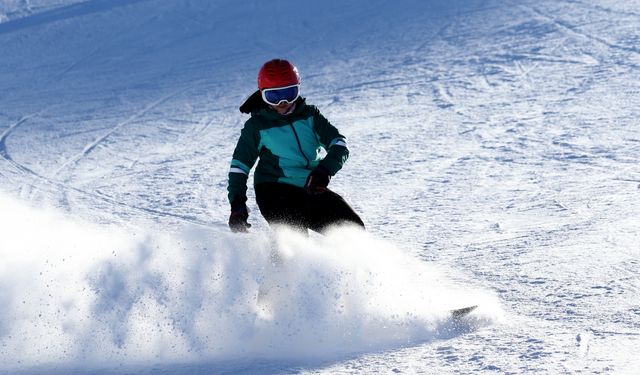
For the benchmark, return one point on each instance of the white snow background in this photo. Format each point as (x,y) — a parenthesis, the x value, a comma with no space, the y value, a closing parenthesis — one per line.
(494,158)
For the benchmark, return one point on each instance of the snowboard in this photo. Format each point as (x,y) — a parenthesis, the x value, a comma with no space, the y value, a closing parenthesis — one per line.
(461,313)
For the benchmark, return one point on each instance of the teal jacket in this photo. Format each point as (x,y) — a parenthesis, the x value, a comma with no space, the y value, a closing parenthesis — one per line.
(289,146)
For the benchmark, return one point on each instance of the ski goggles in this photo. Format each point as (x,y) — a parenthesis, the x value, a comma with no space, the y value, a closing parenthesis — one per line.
(277,95)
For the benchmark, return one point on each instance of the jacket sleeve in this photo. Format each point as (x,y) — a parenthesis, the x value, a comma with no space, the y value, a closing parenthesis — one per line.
(334,142)
(244,157)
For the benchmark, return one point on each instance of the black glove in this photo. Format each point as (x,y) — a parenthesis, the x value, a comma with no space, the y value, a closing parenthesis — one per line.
(238,218)
(318,180)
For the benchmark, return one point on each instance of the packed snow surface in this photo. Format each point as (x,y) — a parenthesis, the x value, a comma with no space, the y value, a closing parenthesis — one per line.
(494,159)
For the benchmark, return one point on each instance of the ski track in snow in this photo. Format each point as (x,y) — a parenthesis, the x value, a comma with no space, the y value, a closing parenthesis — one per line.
(36,181)
(3,136)
(92,145)
(576,31)
(496,139)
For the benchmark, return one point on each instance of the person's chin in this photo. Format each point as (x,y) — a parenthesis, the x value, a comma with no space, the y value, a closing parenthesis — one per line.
(282,109)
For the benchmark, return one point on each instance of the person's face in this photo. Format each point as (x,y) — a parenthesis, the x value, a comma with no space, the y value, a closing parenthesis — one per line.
(282,108)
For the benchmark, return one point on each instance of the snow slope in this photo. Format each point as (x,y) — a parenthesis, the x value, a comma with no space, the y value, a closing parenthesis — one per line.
(494,159)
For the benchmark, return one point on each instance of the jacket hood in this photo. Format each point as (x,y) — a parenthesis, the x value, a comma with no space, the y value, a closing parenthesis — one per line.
(253,103)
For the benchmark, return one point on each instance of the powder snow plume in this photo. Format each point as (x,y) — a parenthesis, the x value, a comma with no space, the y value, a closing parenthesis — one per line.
(101,294)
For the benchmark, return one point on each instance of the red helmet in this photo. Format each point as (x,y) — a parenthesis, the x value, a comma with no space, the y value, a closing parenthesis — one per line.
(278,73)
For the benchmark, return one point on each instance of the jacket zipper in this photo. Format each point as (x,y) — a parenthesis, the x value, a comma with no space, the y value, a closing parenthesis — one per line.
(299,144)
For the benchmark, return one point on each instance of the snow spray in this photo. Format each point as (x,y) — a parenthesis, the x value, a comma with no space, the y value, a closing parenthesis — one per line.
(75,292)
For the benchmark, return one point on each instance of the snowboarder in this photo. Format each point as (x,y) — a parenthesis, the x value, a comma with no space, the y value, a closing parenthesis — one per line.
(288,136)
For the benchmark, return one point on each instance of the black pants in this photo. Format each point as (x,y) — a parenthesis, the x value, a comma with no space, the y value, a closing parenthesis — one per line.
(293,206)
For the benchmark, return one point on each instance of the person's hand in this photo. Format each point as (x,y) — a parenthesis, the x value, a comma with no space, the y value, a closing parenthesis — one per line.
(238,218)
(318,180)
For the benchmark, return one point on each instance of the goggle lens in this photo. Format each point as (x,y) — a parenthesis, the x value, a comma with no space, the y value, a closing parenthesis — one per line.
(282,94)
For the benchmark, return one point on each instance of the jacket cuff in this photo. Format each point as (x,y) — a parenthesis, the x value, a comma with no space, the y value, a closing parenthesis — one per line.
(238,202)
(329,167)
(324,169)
